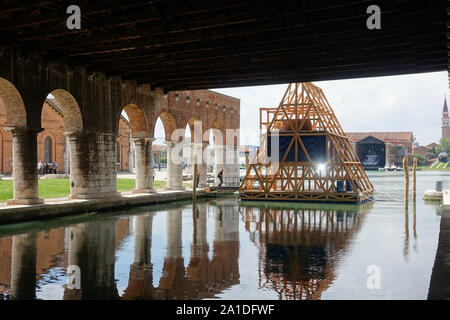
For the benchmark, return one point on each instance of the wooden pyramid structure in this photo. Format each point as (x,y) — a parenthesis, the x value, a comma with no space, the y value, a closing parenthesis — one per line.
(305,155)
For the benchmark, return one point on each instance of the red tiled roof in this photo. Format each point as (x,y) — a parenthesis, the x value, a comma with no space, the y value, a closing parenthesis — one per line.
(392,137)
(157,147)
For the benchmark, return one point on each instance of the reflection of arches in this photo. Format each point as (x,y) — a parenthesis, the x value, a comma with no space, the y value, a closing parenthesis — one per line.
(138,122)
(169,123)
(73,121)
(11,105)
(48,149)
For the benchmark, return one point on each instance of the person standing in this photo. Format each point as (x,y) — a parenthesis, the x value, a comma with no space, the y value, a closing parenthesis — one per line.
(220,176)
(40,168)
(198,178)
(55,167)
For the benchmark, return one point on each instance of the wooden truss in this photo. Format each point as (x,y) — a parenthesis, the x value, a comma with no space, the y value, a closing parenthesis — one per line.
(296,175)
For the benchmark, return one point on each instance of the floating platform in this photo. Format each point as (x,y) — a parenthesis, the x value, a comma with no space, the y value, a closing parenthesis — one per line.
(305,155)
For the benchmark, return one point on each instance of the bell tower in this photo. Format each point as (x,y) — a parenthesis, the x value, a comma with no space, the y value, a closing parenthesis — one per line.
(445,121)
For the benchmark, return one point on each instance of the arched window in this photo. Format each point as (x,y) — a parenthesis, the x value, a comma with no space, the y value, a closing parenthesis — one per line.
(48,149)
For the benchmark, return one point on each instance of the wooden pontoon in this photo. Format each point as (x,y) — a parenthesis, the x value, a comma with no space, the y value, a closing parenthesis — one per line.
(305,155)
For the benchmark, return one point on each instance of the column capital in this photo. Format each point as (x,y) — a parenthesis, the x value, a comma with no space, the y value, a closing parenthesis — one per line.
(22,131)
(173,143)
(142,139)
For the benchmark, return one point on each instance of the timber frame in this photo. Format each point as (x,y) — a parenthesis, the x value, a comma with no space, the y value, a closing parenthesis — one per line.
(305,111)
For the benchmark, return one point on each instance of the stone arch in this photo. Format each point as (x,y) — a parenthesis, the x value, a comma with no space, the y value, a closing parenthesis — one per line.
(73,120)
(12,106)
(169,123)
(218,132)
(190,123)
(138,122)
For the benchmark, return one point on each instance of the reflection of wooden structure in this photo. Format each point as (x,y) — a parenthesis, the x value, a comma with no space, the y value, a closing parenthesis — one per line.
(315,160)
(299,248)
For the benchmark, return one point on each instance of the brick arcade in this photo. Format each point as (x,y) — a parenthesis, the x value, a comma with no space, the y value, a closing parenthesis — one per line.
(91,106)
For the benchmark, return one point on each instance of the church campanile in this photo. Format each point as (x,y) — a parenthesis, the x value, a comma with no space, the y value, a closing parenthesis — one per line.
(445,121)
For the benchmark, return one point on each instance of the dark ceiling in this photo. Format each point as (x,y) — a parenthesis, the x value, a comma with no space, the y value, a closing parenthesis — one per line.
(194,44)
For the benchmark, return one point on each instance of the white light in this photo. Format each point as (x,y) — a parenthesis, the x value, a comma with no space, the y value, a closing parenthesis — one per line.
(322,167)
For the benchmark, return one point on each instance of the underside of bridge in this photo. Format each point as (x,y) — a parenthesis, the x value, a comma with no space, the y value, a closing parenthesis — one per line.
(179,45)
(150,58)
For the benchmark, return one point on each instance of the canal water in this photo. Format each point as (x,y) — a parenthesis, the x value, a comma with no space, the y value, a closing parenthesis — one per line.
(224,249)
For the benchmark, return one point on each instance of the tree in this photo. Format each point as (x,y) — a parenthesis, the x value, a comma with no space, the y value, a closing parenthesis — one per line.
(444,143)
(421,161)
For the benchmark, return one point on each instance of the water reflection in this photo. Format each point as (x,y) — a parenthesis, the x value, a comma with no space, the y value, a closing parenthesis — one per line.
(299,248)
(225,249)
(92,249)
(23,266)
(140,283)
(28,261)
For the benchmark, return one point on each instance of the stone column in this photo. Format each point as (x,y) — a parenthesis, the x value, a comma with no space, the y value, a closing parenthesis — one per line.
(25,172)
(232,167)
(219,162)
(197,157)
(144,172)
(189,148)
(23,267)
(92,166)
(66,156)
(174,166)
(203,167)
(131,157)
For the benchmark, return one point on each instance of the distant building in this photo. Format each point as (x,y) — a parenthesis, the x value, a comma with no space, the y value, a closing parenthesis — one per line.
(379,149)
(445,121)
(432,146)
(247,151)
(422,150)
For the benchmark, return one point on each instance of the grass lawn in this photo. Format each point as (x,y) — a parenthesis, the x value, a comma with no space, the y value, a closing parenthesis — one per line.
(435,169)
(60,188)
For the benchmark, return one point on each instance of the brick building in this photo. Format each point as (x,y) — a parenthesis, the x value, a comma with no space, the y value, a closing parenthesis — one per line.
(379,149)
(51,142)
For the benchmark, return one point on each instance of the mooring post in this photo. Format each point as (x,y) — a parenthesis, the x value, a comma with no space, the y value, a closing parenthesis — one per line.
(406,169)
(414,179)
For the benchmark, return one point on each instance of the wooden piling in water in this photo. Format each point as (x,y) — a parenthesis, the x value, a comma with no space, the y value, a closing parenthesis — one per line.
(414,179)
(406,170)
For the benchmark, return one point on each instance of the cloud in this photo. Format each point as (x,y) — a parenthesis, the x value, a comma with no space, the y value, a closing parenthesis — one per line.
(396,103)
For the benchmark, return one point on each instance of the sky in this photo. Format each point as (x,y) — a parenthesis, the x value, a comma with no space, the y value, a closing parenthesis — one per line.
(395,103)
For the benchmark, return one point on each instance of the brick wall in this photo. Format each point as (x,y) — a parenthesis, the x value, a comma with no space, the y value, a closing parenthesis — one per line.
(53,125)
